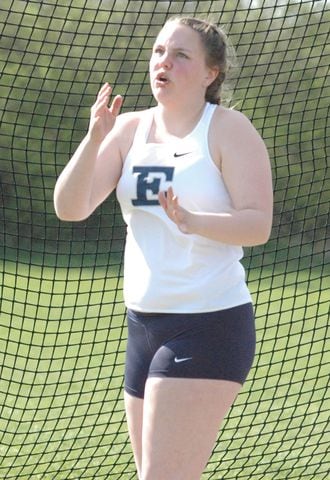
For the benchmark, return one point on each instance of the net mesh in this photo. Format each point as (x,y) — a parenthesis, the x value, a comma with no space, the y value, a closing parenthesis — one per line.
(62,324)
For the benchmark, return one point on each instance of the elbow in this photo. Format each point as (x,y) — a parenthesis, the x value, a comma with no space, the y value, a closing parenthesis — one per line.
(267,235)
(67,213)
(69,217)
(259,234)
(261,237)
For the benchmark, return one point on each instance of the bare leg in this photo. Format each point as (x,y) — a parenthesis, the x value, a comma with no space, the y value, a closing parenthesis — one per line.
(181,420)
(134,417)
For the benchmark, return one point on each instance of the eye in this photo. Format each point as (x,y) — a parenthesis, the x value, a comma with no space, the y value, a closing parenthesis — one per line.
(182,55)
(158,50)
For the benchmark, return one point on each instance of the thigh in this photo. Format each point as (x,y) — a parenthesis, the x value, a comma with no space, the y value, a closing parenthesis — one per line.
(180,425)
(139,354)
(215,345)
(134,418)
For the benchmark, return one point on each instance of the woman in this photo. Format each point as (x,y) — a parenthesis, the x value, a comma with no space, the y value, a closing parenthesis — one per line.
(194,183)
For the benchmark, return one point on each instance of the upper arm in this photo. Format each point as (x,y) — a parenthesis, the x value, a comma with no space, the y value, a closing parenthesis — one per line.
(112,153)
(245,163)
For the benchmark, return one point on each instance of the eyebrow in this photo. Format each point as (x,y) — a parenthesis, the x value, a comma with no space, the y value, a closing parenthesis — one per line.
(176,49)
(183,49)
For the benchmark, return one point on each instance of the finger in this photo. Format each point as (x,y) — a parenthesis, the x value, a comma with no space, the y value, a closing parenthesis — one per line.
(100,101)
(173,201)
(105,88)
(170,193)
(103,95)
(162,199)
(99,106)
(176,201)
(116,105)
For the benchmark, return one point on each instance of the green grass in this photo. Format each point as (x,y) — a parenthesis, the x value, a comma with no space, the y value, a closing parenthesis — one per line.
(62,347)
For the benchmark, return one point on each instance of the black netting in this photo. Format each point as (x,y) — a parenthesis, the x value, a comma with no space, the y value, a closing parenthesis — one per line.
(62,326)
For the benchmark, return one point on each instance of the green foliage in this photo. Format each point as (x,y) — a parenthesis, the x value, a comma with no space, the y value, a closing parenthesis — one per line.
(55,56)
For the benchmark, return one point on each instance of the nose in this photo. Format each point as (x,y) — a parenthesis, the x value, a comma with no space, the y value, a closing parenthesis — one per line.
(165,61)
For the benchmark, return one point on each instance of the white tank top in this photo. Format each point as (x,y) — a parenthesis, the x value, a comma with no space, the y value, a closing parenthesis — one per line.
(166,270)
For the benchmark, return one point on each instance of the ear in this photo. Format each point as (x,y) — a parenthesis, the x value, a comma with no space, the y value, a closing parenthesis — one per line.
(211,75)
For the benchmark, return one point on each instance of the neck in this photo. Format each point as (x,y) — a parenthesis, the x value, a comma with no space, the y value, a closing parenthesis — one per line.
(177,121)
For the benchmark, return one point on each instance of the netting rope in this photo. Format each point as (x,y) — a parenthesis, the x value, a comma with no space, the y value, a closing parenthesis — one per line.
(62,319)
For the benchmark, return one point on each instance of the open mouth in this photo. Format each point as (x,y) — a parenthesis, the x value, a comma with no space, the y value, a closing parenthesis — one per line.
(162,79)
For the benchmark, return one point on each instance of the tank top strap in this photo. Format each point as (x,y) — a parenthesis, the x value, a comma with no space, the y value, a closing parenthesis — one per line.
(143,128)
(204,123)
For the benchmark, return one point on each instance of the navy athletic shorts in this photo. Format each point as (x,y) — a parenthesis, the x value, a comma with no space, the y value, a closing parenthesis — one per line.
(214,345)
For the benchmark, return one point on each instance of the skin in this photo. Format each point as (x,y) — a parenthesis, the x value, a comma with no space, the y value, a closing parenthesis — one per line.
(174,428)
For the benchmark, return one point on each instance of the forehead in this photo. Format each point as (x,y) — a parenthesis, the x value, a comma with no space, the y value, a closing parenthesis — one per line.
(176,35)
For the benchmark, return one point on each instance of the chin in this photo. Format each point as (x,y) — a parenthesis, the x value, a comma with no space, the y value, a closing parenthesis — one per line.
(164,97)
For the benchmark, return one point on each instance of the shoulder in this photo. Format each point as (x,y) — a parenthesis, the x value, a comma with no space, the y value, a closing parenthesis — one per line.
(130,120)
(124,130)
(228,119)
(232,136)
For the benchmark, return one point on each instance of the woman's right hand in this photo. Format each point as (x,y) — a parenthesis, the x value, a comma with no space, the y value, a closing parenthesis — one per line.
(103,117)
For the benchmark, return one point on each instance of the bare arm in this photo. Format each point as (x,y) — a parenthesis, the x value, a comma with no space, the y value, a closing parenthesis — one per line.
(246,172)
(90,175)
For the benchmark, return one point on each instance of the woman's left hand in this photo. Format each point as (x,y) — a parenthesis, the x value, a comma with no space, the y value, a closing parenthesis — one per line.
(174,211)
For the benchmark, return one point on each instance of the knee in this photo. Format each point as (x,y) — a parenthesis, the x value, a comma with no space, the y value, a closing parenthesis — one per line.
(156,476)
(150,473)
(154,473)
(161,474)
